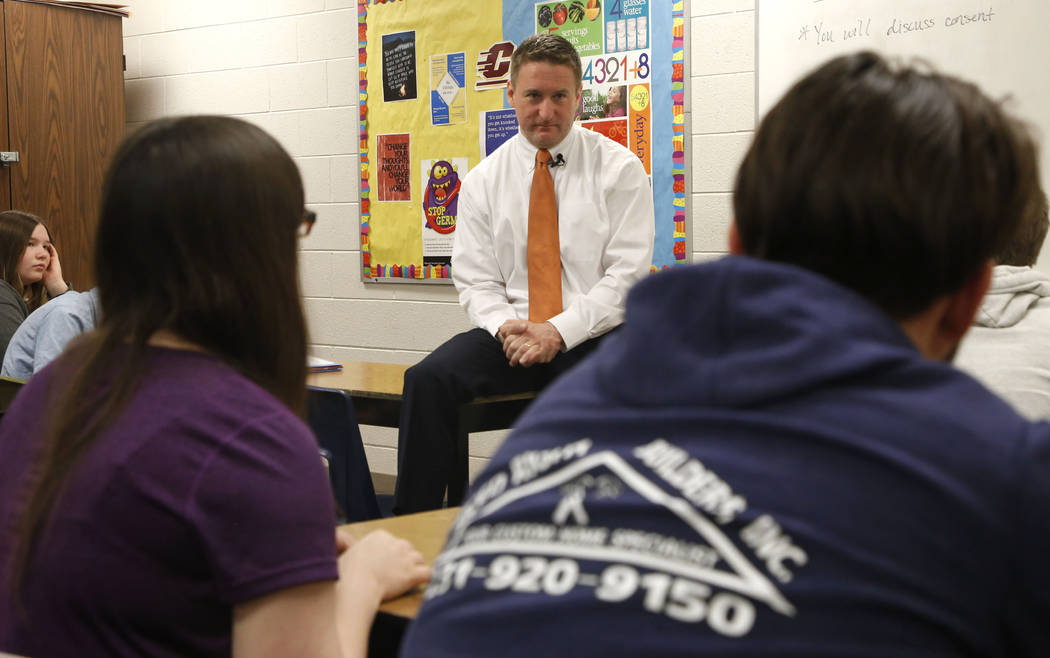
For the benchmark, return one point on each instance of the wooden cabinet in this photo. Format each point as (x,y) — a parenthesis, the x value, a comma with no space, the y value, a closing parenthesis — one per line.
(62,111)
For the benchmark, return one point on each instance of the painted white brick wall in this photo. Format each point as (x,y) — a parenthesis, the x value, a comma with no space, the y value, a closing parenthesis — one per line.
(290,66)
(721,113)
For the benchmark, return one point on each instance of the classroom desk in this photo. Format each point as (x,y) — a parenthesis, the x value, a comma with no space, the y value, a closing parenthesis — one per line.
(376,391)
(427,532)
(374,387)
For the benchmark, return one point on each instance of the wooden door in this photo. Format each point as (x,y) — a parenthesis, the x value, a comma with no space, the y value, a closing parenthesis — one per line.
(5,141)
(65,102)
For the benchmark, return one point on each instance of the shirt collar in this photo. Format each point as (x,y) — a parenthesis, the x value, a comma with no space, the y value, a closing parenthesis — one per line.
(564,146)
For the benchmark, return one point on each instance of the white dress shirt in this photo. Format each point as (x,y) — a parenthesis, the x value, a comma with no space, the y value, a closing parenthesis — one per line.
(605,230)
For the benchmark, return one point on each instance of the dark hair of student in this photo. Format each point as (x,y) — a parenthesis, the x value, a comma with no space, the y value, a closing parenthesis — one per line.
(1023,248)
(16,227)
(197,235)
(549,48)
(897,183)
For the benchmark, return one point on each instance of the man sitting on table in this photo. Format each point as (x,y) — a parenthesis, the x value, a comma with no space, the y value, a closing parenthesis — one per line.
(773,457)
(554,227)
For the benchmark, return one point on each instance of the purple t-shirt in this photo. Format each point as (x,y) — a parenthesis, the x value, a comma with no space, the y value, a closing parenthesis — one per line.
(206,492)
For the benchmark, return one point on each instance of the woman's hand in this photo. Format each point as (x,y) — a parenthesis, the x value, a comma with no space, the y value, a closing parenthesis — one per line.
(380,563)
(376,567)
(53,281)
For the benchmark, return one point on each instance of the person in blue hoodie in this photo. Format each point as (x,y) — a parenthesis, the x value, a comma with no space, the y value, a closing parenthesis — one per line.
(774,455)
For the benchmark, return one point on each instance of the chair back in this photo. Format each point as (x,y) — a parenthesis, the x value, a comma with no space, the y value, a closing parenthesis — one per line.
(332,418)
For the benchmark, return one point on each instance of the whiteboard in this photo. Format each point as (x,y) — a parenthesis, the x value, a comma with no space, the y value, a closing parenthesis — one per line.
(1001,45)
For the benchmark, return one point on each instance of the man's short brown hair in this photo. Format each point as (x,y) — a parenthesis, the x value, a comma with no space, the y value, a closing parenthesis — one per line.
(1027,241)
(892,180)
(549,48)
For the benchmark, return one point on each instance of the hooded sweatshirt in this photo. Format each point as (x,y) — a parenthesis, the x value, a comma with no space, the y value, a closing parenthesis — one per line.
(1008,348)
(759,463)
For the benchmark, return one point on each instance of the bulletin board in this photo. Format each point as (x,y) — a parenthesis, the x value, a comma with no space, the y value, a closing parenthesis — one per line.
(432,105)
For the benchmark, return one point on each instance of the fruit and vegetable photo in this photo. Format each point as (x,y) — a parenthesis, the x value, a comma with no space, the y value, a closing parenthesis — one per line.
(560,14)
(576,11)
(543,16)
(594,9)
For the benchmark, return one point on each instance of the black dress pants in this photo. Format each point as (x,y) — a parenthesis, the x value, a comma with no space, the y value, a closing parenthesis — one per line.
(467,366)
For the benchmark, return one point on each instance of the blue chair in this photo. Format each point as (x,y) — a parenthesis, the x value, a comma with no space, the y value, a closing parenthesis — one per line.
(331,416)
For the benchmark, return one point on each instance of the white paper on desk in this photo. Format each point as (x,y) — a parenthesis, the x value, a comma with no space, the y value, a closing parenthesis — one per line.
(317,364)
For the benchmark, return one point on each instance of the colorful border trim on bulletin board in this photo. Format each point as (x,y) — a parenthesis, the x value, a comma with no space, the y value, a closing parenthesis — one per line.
(362,70)
(678,127)
(395,162)
(377,271)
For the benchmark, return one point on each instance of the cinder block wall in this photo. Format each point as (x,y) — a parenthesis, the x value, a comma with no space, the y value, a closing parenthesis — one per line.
(290,66)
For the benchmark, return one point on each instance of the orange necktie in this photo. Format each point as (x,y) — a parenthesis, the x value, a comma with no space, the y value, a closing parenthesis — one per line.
(544,252)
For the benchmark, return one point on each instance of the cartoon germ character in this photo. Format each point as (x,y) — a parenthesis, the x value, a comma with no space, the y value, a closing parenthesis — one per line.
(442,197)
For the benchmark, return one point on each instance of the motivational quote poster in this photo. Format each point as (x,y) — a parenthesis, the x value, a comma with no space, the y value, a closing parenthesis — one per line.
(394,172)
(399,66)
(497,126)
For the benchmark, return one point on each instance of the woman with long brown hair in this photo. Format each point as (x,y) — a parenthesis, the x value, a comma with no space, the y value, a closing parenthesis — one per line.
(159,493)
(30,271)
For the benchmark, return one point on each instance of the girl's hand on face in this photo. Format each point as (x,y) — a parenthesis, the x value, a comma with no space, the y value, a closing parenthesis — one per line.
(53,281)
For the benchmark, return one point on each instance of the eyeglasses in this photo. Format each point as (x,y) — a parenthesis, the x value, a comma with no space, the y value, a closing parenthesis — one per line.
(307,225)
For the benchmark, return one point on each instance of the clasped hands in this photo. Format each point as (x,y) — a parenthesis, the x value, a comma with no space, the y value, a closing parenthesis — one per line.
(527,343)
